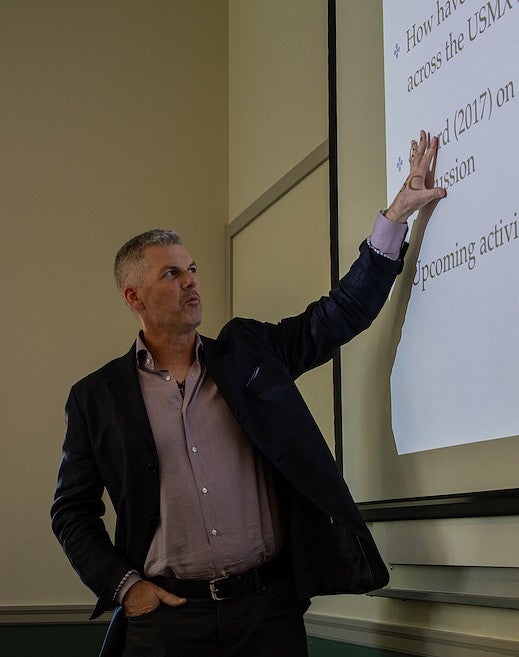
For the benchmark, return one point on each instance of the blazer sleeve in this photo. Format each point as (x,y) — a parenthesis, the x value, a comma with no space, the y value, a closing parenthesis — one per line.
(77,513)
(313,337)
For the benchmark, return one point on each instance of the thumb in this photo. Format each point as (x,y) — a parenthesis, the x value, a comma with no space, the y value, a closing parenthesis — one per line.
(439,192)
(169,598)
(429,195)
(435,194)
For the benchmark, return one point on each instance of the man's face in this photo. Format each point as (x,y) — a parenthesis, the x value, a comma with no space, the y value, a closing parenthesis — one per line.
(168,298)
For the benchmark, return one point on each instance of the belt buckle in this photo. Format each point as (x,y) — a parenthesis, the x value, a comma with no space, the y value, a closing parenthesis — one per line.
(213,587)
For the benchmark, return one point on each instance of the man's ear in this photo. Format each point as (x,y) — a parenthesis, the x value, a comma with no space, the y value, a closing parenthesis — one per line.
(131,296)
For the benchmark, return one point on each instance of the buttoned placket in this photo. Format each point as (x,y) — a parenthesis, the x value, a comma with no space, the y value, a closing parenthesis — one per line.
(194,378)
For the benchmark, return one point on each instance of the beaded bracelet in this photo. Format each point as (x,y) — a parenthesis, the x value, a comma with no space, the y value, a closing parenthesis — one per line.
(378,251)
(123,582)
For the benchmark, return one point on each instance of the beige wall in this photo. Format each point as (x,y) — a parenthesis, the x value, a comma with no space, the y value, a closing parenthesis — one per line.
(113,120)
(278,105)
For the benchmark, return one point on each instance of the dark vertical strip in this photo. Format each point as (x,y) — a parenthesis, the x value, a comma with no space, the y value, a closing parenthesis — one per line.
(334,214)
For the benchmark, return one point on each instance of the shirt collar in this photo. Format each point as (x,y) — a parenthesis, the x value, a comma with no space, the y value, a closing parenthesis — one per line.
(145,359)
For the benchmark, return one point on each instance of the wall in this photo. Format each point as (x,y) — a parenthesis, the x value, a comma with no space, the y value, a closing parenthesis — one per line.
(277,91)
(113,120)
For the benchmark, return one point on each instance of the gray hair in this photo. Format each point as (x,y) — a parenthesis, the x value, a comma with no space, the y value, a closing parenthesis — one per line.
(130,264)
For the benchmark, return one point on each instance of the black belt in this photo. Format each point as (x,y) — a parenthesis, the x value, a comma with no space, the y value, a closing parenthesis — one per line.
(225,588)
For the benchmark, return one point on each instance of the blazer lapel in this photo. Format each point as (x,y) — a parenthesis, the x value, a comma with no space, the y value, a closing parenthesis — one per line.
(123,381)
(217,358)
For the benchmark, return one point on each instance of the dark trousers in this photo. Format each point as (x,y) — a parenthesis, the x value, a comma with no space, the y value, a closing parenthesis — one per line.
(263,623)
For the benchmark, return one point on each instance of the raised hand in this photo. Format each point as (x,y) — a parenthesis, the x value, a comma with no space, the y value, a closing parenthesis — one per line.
(418,190)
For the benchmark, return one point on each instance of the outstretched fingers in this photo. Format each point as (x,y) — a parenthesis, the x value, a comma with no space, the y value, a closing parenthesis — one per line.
(418,190)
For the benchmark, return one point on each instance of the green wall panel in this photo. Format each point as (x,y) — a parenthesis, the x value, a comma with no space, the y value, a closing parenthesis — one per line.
(81,640)
(84,640)
(326,648)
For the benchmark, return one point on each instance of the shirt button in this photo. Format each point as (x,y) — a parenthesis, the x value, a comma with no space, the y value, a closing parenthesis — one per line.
(214,532)
(204,490)
(194,449)
(168,378)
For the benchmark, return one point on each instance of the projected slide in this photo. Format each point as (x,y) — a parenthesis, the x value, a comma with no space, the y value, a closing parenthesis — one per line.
(452,67)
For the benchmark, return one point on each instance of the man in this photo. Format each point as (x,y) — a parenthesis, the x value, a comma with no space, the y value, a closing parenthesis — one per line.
(231,512)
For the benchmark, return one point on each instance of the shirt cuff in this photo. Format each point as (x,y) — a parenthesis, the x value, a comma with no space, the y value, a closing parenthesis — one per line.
(131,577)
(387,236)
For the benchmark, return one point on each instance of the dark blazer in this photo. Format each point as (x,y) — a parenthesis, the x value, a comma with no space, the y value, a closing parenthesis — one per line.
(109,444)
